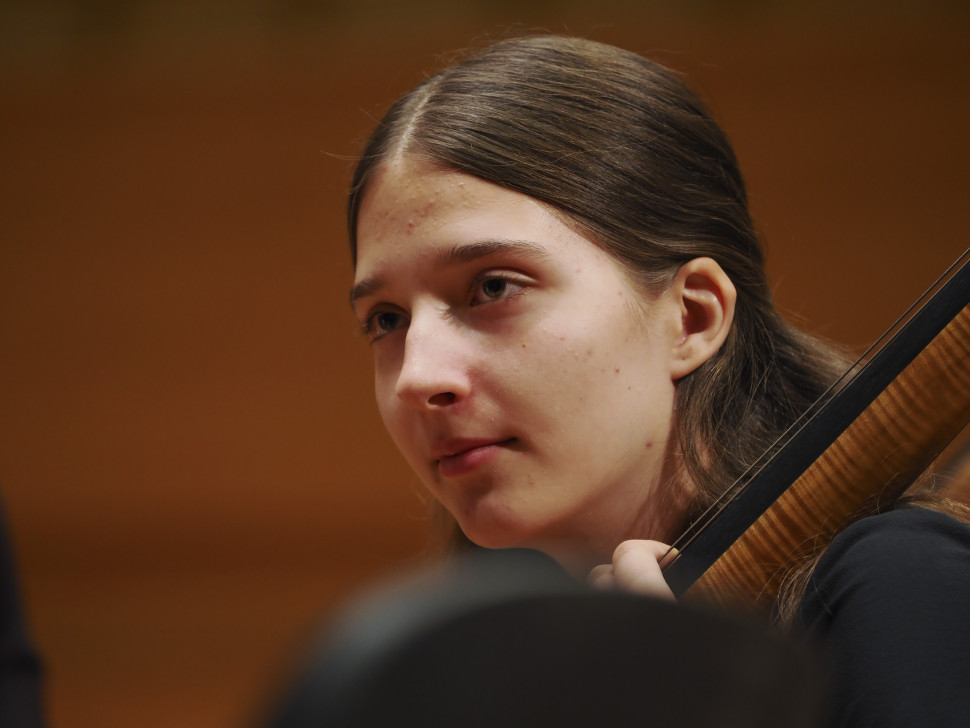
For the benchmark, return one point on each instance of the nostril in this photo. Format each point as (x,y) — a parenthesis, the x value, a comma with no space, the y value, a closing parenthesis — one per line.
(442,399)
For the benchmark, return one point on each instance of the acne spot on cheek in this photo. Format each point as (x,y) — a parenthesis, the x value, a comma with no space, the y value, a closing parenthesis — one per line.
(649,445)
(617,370)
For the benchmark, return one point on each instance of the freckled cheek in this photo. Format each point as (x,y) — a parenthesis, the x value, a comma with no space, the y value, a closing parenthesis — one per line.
(599,364)
(560,368)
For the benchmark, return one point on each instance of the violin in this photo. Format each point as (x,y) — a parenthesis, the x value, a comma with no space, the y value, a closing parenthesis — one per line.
(854,451)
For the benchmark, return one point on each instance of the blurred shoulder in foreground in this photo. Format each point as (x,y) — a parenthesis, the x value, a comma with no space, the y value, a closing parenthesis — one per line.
(507,638)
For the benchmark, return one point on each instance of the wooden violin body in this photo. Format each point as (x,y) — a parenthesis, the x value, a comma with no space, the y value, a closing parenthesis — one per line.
(871,441)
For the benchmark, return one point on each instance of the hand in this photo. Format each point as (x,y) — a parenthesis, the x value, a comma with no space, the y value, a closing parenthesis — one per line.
(635,569)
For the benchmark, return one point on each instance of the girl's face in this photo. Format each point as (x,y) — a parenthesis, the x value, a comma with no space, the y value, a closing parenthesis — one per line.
(521,374)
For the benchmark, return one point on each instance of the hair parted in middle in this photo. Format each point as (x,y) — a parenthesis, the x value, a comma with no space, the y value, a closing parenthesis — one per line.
(632,159)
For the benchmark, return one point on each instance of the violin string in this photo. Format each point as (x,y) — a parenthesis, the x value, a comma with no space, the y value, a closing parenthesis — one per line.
(704,520)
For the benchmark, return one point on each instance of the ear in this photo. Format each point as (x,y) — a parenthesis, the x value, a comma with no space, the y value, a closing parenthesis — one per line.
(706,297)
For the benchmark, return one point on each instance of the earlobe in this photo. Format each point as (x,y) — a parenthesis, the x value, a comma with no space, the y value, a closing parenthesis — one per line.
(705,297)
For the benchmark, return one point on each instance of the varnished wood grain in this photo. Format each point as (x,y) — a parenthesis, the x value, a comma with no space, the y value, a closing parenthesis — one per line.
(877,456)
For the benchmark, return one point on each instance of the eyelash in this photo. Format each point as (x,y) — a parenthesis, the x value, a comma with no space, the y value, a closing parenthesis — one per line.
(367,326)
(509,280)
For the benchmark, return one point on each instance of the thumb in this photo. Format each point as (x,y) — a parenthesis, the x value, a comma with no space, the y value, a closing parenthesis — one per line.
(636,568)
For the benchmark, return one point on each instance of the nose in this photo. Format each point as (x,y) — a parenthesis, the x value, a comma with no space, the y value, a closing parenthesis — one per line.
(434,369)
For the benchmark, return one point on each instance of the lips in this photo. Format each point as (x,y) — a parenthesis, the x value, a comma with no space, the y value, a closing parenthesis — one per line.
(460,456)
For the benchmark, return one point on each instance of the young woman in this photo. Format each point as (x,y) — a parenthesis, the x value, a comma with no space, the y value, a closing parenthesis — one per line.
(574,341)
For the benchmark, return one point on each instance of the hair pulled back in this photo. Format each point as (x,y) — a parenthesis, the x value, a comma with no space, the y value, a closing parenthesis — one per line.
(634,161)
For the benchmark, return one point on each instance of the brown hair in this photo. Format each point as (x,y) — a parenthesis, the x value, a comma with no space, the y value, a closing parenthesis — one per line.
(632,158)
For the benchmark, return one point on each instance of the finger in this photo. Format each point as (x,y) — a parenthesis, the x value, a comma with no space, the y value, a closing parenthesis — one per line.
(635,568)
(601,577)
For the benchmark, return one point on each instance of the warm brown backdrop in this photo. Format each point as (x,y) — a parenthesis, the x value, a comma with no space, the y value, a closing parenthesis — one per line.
(190,459)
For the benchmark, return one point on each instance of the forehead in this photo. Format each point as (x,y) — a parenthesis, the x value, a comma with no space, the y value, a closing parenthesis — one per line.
(408,194)
(411,207)
(419,222)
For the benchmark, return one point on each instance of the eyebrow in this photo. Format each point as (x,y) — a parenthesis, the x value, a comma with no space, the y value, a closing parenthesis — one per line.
(458,255)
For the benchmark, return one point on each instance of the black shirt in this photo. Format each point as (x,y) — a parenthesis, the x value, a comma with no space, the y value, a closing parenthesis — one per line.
(891,599)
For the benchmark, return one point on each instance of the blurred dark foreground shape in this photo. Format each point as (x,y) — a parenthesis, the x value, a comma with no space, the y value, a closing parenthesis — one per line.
(507,639)
(20,669)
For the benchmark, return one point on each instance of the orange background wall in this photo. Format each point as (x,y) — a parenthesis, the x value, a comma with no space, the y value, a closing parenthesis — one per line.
(190,459)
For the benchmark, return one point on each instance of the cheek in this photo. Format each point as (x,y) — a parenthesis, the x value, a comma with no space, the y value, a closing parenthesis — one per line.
(605,367)
(388,403)
(578,356)
(401,429)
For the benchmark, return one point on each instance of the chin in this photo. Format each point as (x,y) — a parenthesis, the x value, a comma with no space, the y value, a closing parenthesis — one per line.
(574,557)
(493,532)
(504,528)
(492,538)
